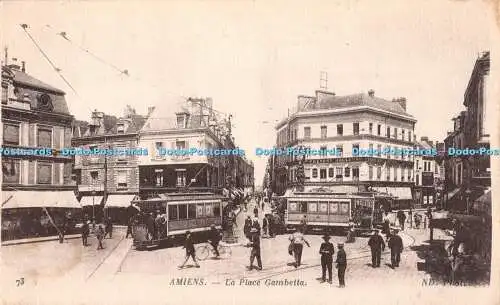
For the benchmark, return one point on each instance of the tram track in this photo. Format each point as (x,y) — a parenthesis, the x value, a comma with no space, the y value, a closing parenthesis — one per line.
(91,275)
(359,255)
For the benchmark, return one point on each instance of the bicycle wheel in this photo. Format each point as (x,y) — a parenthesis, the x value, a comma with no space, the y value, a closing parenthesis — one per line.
(224,251)
(202,252)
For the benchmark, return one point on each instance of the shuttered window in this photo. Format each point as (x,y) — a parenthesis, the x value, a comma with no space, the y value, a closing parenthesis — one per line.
(44,173)
(11,133)
(44,137)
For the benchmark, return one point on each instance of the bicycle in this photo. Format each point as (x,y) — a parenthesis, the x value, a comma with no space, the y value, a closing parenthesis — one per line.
(205,249)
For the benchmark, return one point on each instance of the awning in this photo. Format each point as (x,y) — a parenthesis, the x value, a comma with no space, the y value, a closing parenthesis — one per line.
(341,189)
(90,200)
(38,199)
(402,193)
(483,203)
(119,201)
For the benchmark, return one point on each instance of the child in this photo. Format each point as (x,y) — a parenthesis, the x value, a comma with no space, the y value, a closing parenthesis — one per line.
(188,245)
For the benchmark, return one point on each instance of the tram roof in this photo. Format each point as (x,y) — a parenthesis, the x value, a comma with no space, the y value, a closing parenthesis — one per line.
(330,194)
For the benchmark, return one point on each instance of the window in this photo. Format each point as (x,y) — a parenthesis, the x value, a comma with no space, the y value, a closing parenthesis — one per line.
(323,132)
(355,128)
(403,174)
(340,129)
(395,133)
(379,130)
(388,174)
(181,120)
(44,137)
(303,207)
(409,136)
(307,173)
(121,179)
(158,177)
(121,156)
(94,175)
(200,210)
(10,133)
(183,213)
(216,209)
(417,181)
(389,152)
(330,172)
(338,172)
(159,145)
(323,150)
(44,173)
(435,168)
(403,134)
(379,173)
(388,132)
(370,148)
(409,175)
(120,128)
(417,164)
(307,132)
(11,171)
(315,173)
(370,172)
(379,149)
(355,172)
(181,179)
(340,150)
(370,128)
(191,211)
(172,212)
(180,144)
(322,173)
(395,174)
(355,149)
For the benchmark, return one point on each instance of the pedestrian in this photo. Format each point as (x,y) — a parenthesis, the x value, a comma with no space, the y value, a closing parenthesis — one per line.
(303,224)
(190,251)
(109,227)
(410,217)
(351,235)
(85,233)
(247,226)
(255,252)
(418,219)
(386,226)
(256,224)
(402,218)
(265,226)
(341,264)
(100,236)
(326,250)
(298,241)
(150,225)
(377,245)
(129,227)
(215,237)
(396,245)
(256,212)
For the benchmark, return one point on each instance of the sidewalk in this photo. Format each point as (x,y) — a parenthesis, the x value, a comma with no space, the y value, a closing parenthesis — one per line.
(37,239)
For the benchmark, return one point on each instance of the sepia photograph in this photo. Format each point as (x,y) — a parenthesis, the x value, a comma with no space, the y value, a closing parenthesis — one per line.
(249,152)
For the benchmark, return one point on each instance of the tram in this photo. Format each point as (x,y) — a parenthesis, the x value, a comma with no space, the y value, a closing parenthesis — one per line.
(327,211)
(170,215)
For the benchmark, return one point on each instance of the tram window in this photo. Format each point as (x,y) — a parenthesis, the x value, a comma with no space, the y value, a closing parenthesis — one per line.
(172,212)
(344,208)
(303,207)
(292,206)
(192,211)
(183,211)
(334,208)
(217,209)
(323,207)
(200,210)
(313,207)
(208,210)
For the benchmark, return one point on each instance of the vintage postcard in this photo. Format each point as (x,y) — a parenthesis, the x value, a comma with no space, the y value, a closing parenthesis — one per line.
(249,152)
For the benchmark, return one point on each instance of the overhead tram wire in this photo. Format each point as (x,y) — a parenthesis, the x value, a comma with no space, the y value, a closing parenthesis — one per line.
(24,26)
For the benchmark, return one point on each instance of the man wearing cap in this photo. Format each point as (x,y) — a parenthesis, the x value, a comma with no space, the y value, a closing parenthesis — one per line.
(215,237)
(377,245)
(341,264)
(395,243)
(326,250)
(255,252)
(298,241)
(247,226)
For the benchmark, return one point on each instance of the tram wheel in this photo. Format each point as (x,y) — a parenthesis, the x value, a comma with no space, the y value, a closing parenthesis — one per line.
(202,252)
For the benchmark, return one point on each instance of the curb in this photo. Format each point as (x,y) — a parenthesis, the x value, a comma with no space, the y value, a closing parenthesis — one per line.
(32,241)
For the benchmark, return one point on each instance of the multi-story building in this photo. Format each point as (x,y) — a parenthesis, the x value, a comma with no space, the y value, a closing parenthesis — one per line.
(108,180)
(348,123)
(192,123)
(429,174)
(35,184)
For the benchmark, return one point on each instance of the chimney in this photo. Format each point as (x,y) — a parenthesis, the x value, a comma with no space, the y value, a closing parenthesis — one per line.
(323,94)
(150,110)
(424,139)
(23,66)
(97,118)
(401,101)
(371,93)
(304,102)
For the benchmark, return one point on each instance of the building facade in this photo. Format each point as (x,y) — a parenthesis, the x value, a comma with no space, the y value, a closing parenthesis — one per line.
(35,117)
(348,124)
(429,174)
(192,124)
(108,174)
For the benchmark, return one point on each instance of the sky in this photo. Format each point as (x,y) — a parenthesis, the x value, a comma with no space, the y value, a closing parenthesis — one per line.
(254,57)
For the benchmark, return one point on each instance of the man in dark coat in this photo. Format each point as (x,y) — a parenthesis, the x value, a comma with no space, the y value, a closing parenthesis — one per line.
(255,252)
(402,218)
(215,237)
(109,227)
(326,250)
(129,227)
(377,245)
(190,251)
(341,264)
(247,227)
(150,224)
(85,233)
(396,245)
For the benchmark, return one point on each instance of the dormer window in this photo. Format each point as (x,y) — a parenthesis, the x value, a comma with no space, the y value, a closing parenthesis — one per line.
(182,120)
(120,128)
(45,102)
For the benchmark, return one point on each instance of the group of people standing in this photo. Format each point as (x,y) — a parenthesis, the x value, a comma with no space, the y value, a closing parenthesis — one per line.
(100,232)
(377,246)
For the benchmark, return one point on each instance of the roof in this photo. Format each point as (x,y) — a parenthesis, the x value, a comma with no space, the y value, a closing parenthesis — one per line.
(360,99)
(28,80)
